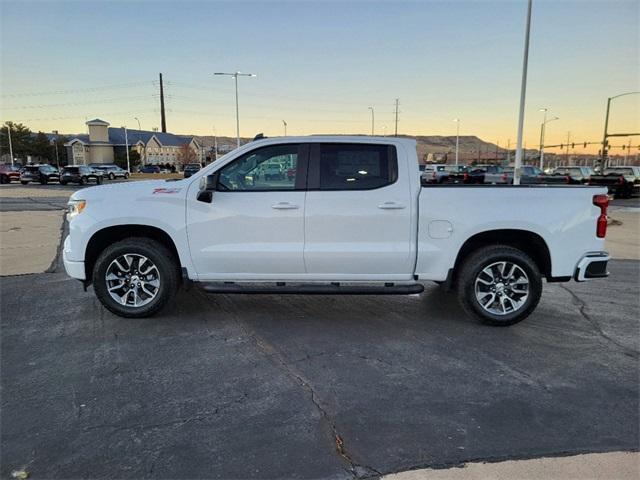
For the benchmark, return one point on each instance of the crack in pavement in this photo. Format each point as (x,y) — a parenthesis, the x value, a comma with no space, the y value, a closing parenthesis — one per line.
(357,470)
(582,306)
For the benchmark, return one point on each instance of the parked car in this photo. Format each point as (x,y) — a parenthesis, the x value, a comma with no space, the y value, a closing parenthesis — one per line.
(355,220)
(273,171)
(576,174)
(190,169)
(80,174)
(39,173)
(110,170)
(150,169)
(434,173)
(621,182)
(528,175)
(457,174)
(8,173)
(477,173)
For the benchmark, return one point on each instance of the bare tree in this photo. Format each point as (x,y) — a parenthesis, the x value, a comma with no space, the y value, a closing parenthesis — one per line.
(186,155)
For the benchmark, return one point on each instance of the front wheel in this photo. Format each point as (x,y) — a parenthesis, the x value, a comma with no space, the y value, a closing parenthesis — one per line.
(135,277)
(499,285)
(112,176)
(23,182)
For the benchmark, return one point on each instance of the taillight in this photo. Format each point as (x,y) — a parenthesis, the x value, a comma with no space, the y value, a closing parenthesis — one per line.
(621,180)
(602,202)
(433,175)
(504,177)
(465,177)
(567,179)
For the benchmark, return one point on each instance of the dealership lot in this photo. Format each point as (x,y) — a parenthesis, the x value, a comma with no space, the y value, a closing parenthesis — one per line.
(309,386)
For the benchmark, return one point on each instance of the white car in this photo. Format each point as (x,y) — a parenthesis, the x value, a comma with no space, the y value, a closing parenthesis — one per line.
(355,219)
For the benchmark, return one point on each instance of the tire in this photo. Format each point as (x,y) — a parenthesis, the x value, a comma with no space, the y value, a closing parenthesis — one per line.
(98,180)
(23,182)
(4,179)
(62,182)
(82,181)
(43,181)
(126,176)
(472,274)
(112,176)
(162,259)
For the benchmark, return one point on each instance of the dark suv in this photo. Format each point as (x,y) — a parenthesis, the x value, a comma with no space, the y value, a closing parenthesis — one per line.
(39,173)
(190,169)
(80,174)
(111,170)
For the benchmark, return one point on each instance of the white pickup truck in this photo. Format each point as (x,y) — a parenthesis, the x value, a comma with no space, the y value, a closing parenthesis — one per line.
(354,219)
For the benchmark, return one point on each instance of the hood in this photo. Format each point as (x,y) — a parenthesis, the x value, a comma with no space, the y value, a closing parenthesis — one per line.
(134,189)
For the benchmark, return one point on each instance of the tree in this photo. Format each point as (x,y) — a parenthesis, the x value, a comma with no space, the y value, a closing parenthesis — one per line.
(20,139)
(41,148)
(186,155)
(120,158)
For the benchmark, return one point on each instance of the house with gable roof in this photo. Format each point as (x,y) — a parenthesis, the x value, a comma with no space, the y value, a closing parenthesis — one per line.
(103,143)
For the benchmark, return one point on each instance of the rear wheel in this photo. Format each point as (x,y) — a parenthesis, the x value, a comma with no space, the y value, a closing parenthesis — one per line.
(44,181)
(4,179)
(135,277)
(63,182)
(99,180)
(23,182)
(499,285)
(112,176)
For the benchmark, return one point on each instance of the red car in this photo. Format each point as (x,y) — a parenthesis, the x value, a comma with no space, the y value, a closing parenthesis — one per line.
(8,173)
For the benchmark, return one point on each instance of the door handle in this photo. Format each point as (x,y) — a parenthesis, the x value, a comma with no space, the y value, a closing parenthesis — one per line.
(284,206)
(391,206)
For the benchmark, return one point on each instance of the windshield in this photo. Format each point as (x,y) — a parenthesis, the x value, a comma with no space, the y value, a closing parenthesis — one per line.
(619,171)
(70,170)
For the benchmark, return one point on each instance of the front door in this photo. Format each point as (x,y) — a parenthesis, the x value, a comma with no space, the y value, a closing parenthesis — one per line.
(358,214)
(254,227)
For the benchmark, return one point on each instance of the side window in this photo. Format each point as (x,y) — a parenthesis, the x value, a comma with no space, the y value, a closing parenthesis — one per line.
(356,166)
(267,168)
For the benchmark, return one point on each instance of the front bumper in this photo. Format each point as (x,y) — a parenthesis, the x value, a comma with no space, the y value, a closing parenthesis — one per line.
(73,268)
(592,265)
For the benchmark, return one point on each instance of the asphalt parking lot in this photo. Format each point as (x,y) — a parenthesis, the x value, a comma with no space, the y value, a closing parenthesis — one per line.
(267,386)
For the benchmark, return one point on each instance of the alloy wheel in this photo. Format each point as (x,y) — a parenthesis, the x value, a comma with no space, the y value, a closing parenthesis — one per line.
(132,280)
(502,288)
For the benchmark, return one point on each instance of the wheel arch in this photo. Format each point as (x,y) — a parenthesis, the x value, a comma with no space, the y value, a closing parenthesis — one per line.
(529,242)
(108,235)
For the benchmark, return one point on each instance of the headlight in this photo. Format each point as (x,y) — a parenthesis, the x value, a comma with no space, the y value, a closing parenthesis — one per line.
(76,207)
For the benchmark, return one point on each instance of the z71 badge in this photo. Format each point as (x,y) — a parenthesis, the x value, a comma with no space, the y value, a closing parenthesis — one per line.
(166,190)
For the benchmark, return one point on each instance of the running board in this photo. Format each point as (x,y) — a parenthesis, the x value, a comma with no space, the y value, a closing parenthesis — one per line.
(312,289)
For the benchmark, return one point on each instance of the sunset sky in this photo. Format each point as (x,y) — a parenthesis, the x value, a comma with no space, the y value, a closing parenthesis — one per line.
(320,65)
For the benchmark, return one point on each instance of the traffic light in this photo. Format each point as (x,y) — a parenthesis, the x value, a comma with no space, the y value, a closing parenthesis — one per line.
(585,145)
(623,147)
(561,146)
(573,145)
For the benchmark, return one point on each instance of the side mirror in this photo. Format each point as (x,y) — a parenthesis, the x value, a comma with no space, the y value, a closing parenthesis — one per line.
(207,187)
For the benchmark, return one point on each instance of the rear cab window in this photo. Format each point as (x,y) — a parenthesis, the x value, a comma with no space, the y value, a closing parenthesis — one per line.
(352,166)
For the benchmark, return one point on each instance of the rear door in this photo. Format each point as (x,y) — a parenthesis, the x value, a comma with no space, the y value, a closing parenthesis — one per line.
(357,213)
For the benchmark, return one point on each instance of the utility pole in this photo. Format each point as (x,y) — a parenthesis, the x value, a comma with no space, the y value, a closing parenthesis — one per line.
(606,126)
(163,120)
(372,121)
(397,102)
(497,148)
(626,155)
(10,145)
(285,127)
(235,76)
(566,152)
(508,151)
(523,91)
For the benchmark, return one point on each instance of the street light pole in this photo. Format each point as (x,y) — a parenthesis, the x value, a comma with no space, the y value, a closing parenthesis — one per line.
(285,127)
(372,121)
(457,120)
(126,145)
(144,147)
(235,76)
(543,131)
(523,91)
(606,126)
(215,142)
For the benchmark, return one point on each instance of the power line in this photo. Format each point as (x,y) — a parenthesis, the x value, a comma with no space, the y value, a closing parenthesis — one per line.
(77,90)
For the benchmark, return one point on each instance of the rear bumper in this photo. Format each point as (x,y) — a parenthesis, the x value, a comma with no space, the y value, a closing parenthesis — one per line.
(74,269)
(592,265)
